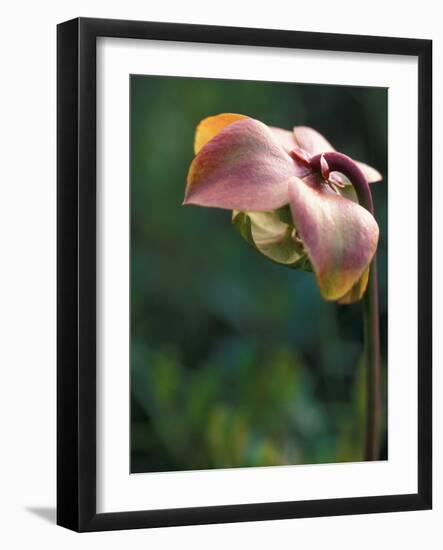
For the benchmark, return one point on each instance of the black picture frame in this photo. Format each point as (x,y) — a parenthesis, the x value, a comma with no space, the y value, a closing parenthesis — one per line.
(76,266)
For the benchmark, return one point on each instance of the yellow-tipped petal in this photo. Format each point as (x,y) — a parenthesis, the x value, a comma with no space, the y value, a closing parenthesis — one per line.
(243,167)
(209,127)
(357,291)
(339,236)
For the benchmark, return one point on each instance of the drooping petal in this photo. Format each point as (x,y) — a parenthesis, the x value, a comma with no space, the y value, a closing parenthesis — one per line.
(311,141)
(339,236)
(359,288)
(271,236)
(209,127)
(242,168)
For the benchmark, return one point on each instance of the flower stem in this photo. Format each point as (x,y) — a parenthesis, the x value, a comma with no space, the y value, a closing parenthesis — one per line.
(341,163)
(373,370)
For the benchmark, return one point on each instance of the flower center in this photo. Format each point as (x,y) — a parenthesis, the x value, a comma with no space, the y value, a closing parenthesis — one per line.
(331,179)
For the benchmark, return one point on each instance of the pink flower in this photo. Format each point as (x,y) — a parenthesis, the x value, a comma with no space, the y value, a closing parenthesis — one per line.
(295,212)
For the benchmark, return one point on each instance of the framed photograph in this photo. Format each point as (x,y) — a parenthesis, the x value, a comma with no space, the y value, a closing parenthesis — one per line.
(244,274)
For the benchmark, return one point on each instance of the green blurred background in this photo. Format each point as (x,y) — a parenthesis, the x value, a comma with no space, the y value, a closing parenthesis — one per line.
(236,361)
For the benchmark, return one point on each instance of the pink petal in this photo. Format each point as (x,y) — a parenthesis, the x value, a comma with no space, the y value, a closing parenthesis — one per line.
(339,236)
(311,141)
(242,168)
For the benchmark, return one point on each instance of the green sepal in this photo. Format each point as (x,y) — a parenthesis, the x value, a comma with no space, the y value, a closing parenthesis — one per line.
(274,236)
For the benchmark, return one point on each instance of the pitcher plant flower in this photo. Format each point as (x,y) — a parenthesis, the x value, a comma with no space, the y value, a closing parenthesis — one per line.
(301,204)
(294,211)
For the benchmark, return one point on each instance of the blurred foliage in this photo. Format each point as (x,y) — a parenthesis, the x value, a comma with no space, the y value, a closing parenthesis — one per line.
(236,361)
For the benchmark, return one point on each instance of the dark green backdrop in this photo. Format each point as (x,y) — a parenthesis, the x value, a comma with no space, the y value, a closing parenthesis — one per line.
(236,361)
